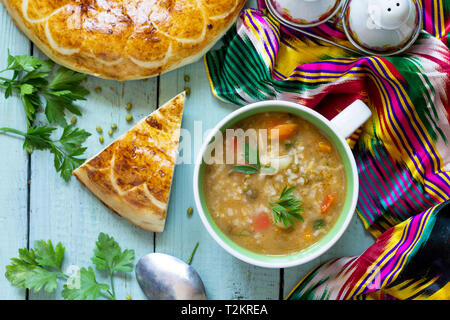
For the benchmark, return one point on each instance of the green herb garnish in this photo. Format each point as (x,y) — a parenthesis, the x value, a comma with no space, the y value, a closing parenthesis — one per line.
(246,169)
(287,208)
(66,150)
(288,146)
(189,261)
(252,154)
(41,267)
(319,224)
(30,80)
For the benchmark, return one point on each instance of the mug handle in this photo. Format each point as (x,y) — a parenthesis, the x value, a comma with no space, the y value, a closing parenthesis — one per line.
(351,118)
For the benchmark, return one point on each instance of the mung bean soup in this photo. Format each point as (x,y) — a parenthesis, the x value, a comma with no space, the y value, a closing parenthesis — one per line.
(282,191)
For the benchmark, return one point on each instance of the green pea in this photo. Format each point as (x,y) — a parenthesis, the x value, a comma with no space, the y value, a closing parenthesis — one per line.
(114,126)
(101,139)
(128,106)
(73,120)
(188,90)
(99,129)
(129,117)
(186,78)
(190,210)
(110,132)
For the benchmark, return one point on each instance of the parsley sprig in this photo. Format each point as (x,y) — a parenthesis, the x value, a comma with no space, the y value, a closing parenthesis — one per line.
(66,150)
(30,80)
(287,208)
(40,268)
(108,256)
(251,155)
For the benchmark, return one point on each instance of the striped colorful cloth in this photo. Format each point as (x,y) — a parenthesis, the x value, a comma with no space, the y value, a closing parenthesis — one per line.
(402,153)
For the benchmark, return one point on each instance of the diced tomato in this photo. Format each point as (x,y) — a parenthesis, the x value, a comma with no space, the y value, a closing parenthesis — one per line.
(261,221)
(283,131)
(327,202)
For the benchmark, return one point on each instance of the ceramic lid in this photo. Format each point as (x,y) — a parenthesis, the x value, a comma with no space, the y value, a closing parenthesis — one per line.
(383,27)
(303,13)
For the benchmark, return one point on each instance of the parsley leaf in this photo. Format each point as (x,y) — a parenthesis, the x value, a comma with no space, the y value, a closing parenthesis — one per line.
(72,138)
(109,256)
(287,208)
(30,81)
(251,155)
(89,287)
(40,268)
(40,278)
(49,256)
(54,112)
(23,63)
(37,268)
(66,150)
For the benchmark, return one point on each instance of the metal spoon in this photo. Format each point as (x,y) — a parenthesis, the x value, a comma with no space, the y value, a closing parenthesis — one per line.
(164,277)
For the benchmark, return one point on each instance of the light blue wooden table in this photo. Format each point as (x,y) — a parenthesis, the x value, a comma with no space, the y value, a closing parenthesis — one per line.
(35,203)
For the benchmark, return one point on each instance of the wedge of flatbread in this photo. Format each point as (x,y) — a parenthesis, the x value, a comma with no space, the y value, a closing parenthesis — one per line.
(133,175)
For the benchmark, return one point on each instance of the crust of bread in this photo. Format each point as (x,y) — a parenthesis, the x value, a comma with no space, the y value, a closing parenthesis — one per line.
(124,40)
(133,175)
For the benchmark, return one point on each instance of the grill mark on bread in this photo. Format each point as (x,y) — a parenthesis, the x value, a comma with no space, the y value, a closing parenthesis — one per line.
(152,122)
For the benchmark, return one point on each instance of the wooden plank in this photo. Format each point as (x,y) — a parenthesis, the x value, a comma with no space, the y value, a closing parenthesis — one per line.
(69,213)
(353,242)
(13,163)
(224,276)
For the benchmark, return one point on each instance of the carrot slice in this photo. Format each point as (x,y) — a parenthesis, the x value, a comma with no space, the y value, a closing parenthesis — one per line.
(261,222)
(283,131)
(327,203)
(307,234)
(324,147)
(274,122)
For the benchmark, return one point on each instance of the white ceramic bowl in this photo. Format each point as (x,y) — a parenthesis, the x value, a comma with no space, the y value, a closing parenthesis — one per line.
(337,130)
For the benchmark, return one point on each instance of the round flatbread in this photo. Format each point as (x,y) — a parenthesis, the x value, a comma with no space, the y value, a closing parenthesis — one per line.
(124,39)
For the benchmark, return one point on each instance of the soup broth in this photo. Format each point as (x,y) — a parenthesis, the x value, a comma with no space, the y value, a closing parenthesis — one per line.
(290,199)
